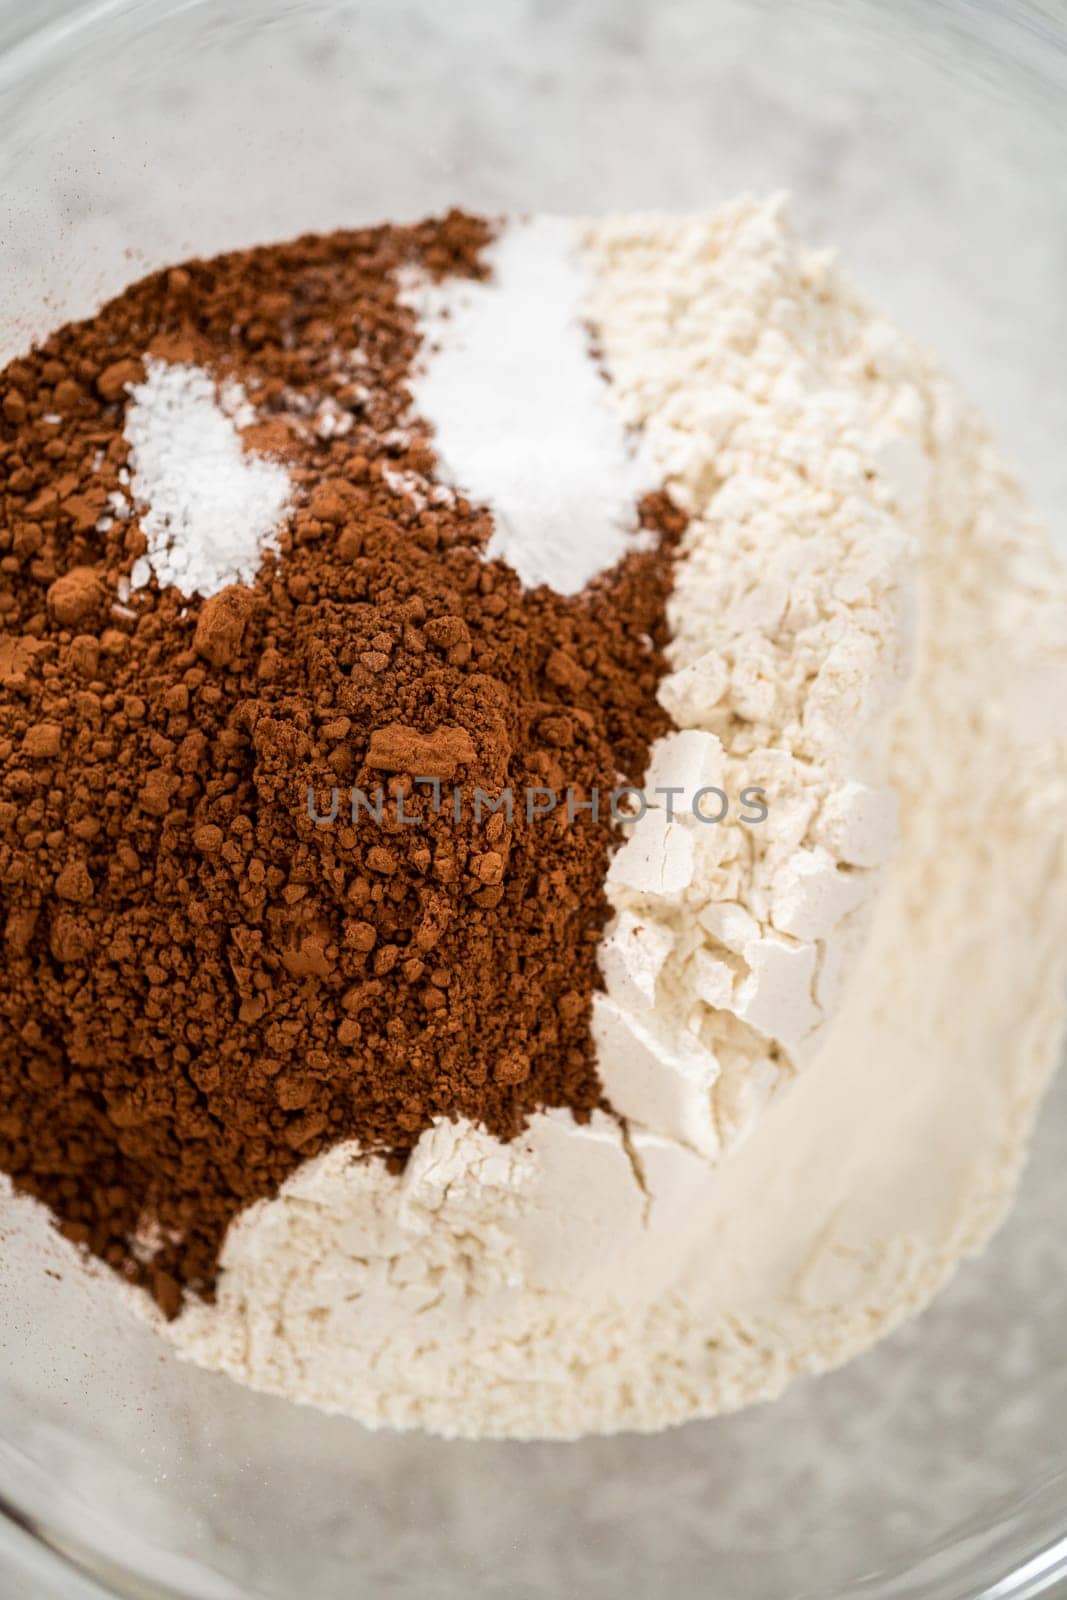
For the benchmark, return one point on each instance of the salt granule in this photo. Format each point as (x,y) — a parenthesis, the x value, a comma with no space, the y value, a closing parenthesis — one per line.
(523,420)
(209,508)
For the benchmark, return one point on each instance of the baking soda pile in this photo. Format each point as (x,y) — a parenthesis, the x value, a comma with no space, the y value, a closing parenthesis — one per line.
(522,419)
(517,1132)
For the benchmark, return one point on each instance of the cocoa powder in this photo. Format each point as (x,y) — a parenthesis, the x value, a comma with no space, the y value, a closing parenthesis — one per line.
(203,985)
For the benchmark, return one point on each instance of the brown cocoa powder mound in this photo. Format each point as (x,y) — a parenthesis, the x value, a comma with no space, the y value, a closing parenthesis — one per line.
(203,986)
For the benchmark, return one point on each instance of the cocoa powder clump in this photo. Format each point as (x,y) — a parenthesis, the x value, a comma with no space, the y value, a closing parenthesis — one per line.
(223,624)
(205,985)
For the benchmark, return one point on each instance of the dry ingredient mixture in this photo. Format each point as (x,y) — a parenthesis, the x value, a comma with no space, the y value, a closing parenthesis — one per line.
(539,1126)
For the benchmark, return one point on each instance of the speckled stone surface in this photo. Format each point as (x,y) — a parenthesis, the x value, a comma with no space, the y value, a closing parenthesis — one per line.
(947,195)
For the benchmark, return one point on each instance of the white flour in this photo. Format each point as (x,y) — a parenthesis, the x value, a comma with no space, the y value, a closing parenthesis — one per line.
(792,622)
(210,509)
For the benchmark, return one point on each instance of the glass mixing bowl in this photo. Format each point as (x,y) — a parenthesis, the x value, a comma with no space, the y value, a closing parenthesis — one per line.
(929,142)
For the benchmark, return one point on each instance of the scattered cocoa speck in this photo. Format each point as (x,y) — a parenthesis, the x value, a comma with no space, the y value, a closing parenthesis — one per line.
(157,791)
(19,929)
(167,1293)
(76,596)
(223,624)
(565,672)
(331,501)
(514,1067)
(489,867)
(571,1006)
(438,754)
(44,739)
(270,665)
(67,395)
(85,655)
(446,631)
(293,1092)
(14,407)
(70,938)
(385,959)
(303,1131)
(74,883)
(113,381)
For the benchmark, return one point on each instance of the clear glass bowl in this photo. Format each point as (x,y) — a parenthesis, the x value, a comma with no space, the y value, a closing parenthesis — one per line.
(929,141)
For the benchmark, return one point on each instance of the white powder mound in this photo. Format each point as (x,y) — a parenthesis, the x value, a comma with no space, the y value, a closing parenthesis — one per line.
(208,509)
(523,420)
(805,1159)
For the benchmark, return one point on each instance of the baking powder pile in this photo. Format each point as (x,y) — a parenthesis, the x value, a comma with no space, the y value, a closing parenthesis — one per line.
(795,1129)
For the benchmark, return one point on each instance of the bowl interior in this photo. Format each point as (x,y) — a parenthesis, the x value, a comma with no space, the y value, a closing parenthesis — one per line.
(927,142)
